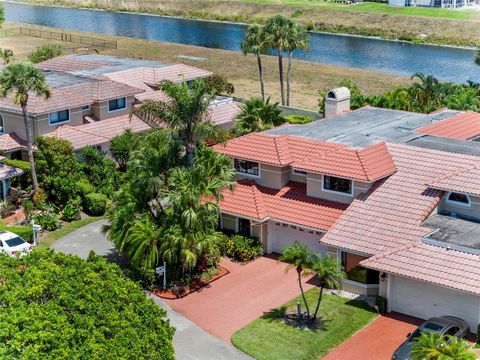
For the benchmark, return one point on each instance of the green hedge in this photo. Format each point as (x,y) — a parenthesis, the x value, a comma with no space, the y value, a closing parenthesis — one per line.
(241,248)
(24,165)
(297,119)
(95,204)
(84,187)
(25,232)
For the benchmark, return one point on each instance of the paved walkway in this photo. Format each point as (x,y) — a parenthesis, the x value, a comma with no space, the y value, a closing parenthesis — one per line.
(240,297)
(378,340)
(190,341)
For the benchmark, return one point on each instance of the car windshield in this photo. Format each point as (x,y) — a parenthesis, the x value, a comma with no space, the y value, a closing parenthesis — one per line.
(15,241)
(428,327)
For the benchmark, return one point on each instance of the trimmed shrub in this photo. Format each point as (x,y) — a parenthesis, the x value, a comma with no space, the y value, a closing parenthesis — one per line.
(241,248)
(297,119)
(24,165)
(84,187)
(71,211)
(45,52)
(25,232)
(95,204)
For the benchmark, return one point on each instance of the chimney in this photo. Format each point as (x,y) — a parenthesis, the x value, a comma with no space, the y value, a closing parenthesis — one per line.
(337,101)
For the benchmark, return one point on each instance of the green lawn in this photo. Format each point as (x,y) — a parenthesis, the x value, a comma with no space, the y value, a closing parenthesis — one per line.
(65,230)
(268,338)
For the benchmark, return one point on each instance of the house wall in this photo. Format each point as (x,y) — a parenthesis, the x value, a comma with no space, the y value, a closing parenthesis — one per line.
(274,177)
(315,185)
(41,125)
(469,211)
(100,110)
(13,122)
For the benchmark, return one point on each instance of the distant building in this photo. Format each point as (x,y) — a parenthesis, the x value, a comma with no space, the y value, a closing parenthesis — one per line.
(453,4)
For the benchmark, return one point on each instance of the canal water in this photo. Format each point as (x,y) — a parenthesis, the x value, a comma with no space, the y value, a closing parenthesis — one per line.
(445,63)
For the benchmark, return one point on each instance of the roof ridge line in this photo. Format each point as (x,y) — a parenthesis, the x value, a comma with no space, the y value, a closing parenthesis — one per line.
(360,160)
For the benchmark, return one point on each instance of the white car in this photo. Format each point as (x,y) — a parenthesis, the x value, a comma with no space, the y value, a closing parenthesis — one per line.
(13,245)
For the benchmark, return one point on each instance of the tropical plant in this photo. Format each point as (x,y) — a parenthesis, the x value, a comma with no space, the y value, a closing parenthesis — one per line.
(432,346)
(47,218)
(45,52)
(90,310)
(186,111)
(298,40)
(329,272)
(426,90)
(71,211)
(6,55)
(22,80)
(219,85)
(255,43)
(100,171)
(121,147)
(299,258)
(95,204)
(257,115)
(240,248)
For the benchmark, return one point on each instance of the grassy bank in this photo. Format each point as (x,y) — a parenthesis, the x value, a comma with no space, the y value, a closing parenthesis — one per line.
(308,78)
(439,26)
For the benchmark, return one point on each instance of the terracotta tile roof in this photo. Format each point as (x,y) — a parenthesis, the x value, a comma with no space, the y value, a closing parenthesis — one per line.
(467,182)
(157,95)
(99,132)
(224,114)
(274,150)
(7,172)
(102,90)
(68,64)
(433,264)
(11,142)
(390,215)
(463,126)
(290,204)
(367,164)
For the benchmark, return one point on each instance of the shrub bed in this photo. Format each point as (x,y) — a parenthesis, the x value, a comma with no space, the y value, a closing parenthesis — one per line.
(95,204)
(297,119)
(241,248)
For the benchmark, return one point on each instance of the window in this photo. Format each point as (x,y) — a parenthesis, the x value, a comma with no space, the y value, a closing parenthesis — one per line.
(59,117)
(458,199)
(340,185)
(244,227)
(2,128)
(117,104)
(299,172)
(86,107)
(246,167)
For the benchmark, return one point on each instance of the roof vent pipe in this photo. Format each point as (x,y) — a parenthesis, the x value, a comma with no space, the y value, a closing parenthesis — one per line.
(337,101)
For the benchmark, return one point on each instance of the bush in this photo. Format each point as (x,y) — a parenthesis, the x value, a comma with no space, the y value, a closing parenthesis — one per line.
(45,52)
(219,85)
(39,198)
(25,232)
(24,165)
(23,181)
(95,204)
(241,248)
(100,171)
(297,119)
(84,187)
(381,304)
(71,210)
(47,219)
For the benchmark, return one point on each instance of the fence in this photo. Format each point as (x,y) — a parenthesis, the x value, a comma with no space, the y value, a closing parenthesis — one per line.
(61,36)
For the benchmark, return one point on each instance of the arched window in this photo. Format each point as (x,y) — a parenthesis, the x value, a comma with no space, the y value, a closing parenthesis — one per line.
(458,199)
(1,124)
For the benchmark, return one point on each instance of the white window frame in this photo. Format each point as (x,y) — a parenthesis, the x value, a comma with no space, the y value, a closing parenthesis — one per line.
(118,109)
(352,188)
(58,122)
(247,174)
(86,108)
(458,203)
(295,172)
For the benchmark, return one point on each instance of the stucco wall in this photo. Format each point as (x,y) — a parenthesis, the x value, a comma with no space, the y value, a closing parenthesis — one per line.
(270,176)
(470,211)
(100,110)
(13,122)
(314,188)
(41,125)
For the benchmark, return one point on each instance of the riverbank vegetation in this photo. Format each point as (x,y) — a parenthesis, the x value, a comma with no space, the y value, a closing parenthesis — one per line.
(439,26)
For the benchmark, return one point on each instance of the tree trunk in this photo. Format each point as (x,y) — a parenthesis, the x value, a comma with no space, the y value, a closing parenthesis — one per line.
(28,130)
(260,75)
(303,294)
(318,303)
(289,68)
(280,71)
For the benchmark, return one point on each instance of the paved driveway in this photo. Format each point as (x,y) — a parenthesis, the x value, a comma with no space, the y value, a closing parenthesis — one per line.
(240,297)
(378,340)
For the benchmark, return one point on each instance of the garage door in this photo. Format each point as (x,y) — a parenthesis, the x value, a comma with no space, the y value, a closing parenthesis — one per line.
(424,300)
(283,236)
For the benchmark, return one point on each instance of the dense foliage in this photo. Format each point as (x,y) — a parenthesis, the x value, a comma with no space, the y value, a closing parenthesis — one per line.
(241,248)
(121,147)
(100,171)
(432,346)
(95,204)
(425,95)
(219,85)
(57,306)
(297,119)
(257,115)
(45,52)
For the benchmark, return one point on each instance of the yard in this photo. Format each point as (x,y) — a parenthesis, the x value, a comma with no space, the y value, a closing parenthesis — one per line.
(268,338)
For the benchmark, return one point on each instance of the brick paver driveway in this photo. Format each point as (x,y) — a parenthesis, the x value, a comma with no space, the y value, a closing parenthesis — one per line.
(240,297)
(376,341)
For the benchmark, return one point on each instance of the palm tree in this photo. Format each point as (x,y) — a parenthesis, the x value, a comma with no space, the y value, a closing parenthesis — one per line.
(299,258)
(22,80)
(186,111)
(255,43)
(329,272)
(121,147)
(426,91)
(432,346)
(257,115)
(278,33)
(6,55)
(298,39)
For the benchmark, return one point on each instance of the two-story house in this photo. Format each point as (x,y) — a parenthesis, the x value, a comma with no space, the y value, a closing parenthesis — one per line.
(393,195)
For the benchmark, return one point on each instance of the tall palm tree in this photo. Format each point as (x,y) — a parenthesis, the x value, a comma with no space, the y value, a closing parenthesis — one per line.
(186,111)
(22,80)
(432,346)
(6,55)
(426,91)
(255,43)
(298,40)
(278,32)
(299,258)
(329,272)
(257,115)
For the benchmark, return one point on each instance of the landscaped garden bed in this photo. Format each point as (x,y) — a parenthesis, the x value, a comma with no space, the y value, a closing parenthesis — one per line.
(269,337)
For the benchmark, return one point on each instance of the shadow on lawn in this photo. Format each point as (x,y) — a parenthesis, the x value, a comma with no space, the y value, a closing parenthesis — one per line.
(361,304)
(281,315)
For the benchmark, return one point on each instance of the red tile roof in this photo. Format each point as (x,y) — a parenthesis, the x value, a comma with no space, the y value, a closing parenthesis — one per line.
(467,182)
(463,126)
(367,164)
(289,204)
(390,215)
(11,142)
(67,64)
(433,264)
(102,90)
(224,114)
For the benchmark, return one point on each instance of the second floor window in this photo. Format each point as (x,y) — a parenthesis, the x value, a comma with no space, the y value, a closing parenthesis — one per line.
(332,183)
(59,117)
(117,104)
(246,167)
